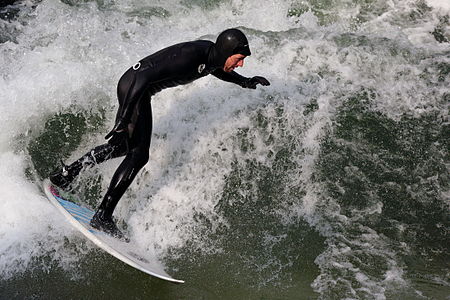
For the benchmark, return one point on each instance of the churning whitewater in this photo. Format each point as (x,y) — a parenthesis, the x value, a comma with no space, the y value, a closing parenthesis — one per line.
(331,183)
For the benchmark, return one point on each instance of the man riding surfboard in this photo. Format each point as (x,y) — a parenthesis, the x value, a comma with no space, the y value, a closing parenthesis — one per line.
(175,65)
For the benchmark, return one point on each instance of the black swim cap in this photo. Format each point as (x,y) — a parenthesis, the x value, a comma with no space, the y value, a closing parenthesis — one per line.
(232,41)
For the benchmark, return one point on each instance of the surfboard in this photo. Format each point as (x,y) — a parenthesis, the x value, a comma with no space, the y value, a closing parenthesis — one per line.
(80,216)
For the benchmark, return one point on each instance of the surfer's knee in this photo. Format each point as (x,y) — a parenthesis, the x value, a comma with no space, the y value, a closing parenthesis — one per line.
(140,157)
(120,150)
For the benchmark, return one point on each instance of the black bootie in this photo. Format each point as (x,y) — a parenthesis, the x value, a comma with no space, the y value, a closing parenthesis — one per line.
(103,221)
(63,176)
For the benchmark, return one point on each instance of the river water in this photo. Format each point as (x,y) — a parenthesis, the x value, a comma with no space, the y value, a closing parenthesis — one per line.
(331,183)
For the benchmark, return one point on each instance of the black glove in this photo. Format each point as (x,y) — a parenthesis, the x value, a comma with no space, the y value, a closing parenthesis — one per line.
(252,82)
(119,134)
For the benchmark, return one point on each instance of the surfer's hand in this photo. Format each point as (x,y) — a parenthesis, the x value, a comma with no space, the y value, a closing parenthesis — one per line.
(251,83)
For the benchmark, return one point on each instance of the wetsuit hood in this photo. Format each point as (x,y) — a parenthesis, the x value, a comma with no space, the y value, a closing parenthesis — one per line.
(229,42)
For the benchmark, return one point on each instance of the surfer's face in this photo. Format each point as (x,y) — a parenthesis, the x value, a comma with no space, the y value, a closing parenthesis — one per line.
(234,61)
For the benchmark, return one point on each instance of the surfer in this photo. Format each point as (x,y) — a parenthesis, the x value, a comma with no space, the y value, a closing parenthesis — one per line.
(130,137)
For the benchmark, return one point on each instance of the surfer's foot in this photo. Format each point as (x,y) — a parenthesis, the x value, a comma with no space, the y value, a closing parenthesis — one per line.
(62,177)
(107,225)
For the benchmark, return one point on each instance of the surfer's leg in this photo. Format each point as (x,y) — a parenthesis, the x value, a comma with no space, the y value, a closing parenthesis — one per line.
(135,159)
(63,176)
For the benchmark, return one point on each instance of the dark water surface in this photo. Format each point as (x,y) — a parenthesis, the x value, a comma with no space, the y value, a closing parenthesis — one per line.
(332,183)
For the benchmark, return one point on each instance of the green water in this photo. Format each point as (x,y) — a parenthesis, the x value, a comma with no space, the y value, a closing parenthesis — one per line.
(332,183)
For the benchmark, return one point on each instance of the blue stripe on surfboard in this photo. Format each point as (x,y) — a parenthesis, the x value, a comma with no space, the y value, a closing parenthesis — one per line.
(77,213)
(78,209)
(81,220)
(69,204)
(74,206)
(81,214)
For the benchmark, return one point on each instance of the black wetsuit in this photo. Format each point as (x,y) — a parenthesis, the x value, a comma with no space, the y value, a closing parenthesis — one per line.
(176,65)
(172,66)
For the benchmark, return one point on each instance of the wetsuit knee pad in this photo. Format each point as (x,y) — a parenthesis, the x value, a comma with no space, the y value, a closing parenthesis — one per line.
(139,157)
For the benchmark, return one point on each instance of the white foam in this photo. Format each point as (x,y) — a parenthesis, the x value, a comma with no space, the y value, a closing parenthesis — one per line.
(86,49)
(439,4)
(30,226)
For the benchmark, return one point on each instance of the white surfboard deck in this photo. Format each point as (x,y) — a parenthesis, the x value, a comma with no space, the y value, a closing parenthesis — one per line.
(79,217)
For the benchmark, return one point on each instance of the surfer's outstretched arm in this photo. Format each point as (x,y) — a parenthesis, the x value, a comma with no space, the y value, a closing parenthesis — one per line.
(238,79)
(232,76)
